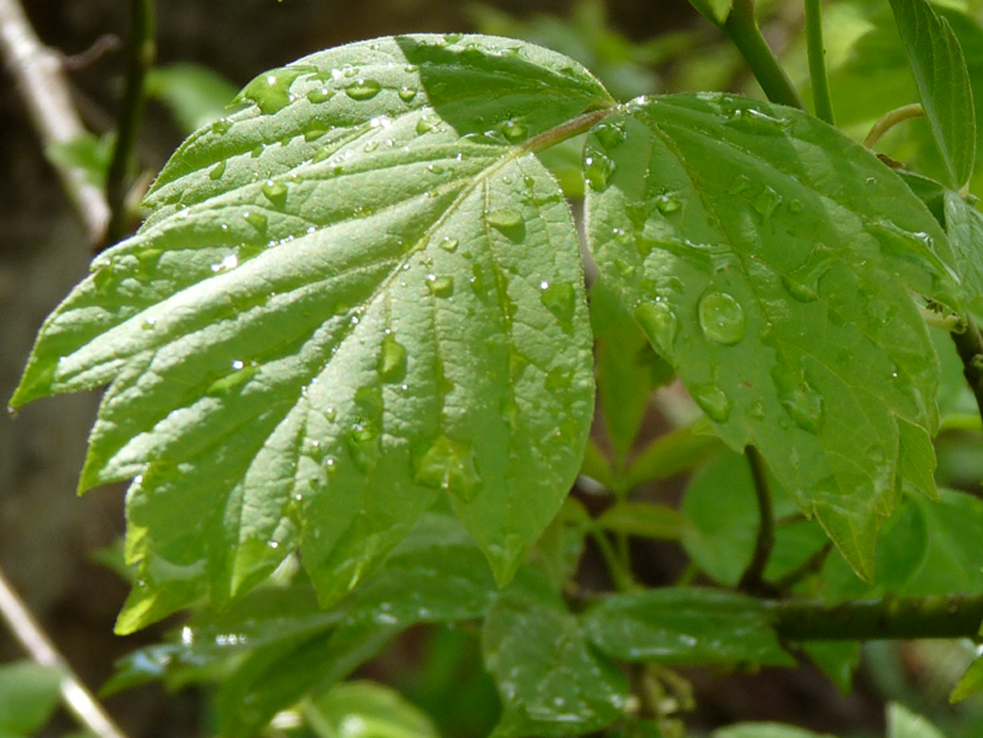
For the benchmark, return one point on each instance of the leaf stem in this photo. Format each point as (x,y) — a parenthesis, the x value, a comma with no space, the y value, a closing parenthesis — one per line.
(890,120)
(40,80)
(622,578)
(753,581)
(573,127)
(816,51)
(77,698)
(812,565)
(890,618)
(742,29)
(141,53)
(969,346)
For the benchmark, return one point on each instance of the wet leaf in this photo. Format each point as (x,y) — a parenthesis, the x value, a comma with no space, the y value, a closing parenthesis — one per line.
(970,682)
(902,723)
(366,710)
(28,696)
(685,626)
(549,680)
(937,62)
(348,300)
(762,255)
(964,224)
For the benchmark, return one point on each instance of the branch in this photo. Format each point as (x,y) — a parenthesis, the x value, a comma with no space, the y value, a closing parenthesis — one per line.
(949,616)
(817,61)
(969,346)
(76,697)
(752,581)
(890,120)
(142,51)
(38,75)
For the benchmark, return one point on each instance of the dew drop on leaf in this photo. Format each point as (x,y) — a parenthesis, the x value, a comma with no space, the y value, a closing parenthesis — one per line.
(598,169)
(149,324)
(440,286)
(257,221)
(667,203)
(449,244)
(275,192)
(766,202)
(749,120)
(217,171)
(722,318)
(406,94)
(514,131)
(321,95)
(559,299)
(505,218)
(713,401)
(741,183)
(449,465)
(659,323)
(610,134)
(425,125)
(271,91)
(363,89)
(392,364)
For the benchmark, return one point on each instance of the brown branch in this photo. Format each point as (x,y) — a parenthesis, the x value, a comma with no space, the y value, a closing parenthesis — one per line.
(39,77)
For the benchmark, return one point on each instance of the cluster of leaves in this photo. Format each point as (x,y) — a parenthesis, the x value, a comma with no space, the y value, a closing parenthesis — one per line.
(350,363)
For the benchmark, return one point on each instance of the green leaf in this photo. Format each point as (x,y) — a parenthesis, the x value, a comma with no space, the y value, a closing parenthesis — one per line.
(970,683)
(28,695)
(673,453)
(196,95)
(964,224)
(557,553)
(366,710)
(356,295)
(685,626)
(940,72)
(643,520)
(902,723)
(722,509)
(549,680)
(837,659)
(766,730)
(761,251)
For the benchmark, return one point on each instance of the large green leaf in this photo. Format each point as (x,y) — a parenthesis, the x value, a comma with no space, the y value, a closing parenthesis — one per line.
(550,682)
(360,292)
(690,626)
(964,224)
(771,260)
(937,62)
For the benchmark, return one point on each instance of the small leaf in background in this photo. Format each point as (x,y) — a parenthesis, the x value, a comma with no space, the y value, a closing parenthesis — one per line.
(765,730)
(672,453)
(557,553)
(761,251)
(355,297)
(550,681)
(902,723)
(837,659)
(365,709)
(939,67)
(722,509)
(196,95)
(28,696)
(685,626)
(87,152)
(643,520)
(970,682)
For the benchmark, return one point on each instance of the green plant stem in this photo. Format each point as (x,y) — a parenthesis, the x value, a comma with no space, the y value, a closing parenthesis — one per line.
(948,616)
(890,120)
(969,346)
(77,698)
(620,575)
(812,565)
(141,54)
(742,29)
(816,51)
(752,581)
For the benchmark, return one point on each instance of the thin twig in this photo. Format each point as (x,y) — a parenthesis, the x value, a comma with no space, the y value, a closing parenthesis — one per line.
(812,565)
(969,346)
(36,643)
(620,576)
(890,120)
(38,74)
(141,52)
(753,581)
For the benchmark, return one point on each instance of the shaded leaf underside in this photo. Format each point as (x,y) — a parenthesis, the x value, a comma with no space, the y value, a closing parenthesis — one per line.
(349,297)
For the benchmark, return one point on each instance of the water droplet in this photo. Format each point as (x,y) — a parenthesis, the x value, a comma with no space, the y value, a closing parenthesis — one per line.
(766,202)
(449,465)
(440,286)
(370,147)
(435,169)
(320,96)
(722,318)
(610,134)
(667,203)
(453,38)
(713,401)
(514,131)
(425,125)
(221,126)
(392,363)
(741,183)
(659,323)
(276,192)
(560,299)
(799,290)
(217,171)
(754,121)
(598,169)
(271,91)
(406,94)
(506,218)
(257,221)
(149,324)
(449,244)
(363,89)
(795,207)
(313,134)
